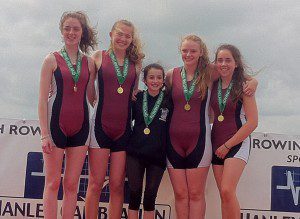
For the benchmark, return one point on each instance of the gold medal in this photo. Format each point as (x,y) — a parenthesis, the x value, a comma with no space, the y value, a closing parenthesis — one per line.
(221,118)
(120,90)
(187,107)
(75,88)
(146,131)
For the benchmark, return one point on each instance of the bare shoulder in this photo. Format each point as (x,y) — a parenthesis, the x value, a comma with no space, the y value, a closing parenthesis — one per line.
(169,76)
(50,62)
(97,57)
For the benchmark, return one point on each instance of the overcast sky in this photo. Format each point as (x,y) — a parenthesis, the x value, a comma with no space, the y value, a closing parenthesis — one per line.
(264,31)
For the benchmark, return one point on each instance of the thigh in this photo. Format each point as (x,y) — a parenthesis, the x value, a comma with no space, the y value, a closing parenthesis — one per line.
(53,163)
(178,181)
(154,175)
(74,159)
(117,168)
(98,160)
(135,172)
(196,179)
(233,169)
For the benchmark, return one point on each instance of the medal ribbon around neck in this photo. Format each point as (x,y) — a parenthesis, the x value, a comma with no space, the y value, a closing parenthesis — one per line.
(121,76)
(149,118)
(75,73)
(188,91)
(222,103)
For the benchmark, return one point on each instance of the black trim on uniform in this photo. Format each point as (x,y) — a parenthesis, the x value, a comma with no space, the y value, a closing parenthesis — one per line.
(58,136)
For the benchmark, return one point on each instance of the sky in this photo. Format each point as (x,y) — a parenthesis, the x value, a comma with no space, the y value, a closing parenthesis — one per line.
(264,31)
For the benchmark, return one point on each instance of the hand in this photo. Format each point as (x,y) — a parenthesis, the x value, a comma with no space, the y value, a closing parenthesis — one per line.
(47,145)
(249,87)
(134,93)
(222,151)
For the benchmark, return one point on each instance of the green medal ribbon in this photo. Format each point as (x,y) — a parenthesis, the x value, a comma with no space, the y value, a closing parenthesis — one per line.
(121,76)
(75,73)
(222,103)
(149,118)
(188,91)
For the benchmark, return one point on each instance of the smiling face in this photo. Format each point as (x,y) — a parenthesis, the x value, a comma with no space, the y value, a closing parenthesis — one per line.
(190,52)
(71,31)
(121,37)
(154,80)
(225,63)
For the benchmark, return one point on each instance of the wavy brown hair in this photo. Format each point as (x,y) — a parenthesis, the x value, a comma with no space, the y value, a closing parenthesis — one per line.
(203,63)
(134,51)
(89,34)
(239,74)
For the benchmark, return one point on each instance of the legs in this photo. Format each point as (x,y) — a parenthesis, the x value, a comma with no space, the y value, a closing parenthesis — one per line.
(180,187)
(135,173)
(73,166)
(116,184)
(227,178)
(98,159)
(154,176)
(189,187)
(52,165)
(196,179)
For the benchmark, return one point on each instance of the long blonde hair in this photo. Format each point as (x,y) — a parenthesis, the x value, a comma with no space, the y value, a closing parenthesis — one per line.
(134,51)
(203,63)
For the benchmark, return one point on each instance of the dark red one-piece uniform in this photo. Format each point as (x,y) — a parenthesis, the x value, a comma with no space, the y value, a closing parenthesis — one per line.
(234,119)
(188,144)
(111,126)
(68,114)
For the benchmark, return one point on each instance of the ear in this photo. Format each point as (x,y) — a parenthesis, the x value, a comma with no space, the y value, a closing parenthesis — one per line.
(110,34)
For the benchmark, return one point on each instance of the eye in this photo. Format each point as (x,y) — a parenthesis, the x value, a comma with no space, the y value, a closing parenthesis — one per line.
(76,29)
(219,60)
(67,28)
(184,51)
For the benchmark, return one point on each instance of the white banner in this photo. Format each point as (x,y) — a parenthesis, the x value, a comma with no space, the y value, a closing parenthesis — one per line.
(269,187)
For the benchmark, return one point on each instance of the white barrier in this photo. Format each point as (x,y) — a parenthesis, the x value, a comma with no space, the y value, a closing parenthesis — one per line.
(269,187)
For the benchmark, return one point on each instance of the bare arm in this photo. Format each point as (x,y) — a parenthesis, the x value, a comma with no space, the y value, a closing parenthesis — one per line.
(91,93)
(213,72)
(96,60)
(48,67)
(138,69)
(250,86)
(250,108)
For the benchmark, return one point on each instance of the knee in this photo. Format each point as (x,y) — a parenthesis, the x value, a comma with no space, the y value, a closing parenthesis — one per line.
(227,193)
(196,195)
(149,200)
(70,185)
(116,187)
(95,186)
(52,185)
(135,199)
(181,195)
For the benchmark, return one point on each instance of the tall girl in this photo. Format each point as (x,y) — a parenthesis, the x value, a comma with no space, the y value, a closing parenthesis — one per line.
(117,74)
(189,147)
(64,87)
(146,151)
(235,118)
